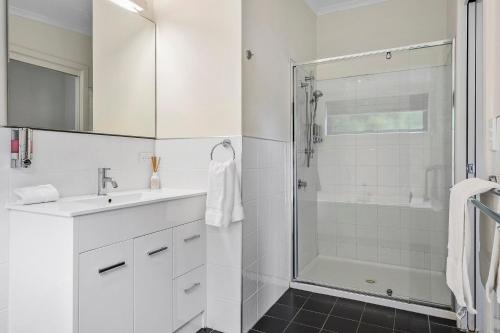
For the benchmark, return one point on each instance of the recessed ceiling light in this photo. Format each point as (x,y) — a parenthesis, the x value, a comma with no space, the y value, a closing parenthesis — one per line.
(131,5)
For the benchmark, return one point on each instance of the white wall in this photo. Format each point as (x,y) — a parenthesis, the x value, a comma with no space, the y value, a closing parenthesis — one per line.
(50,40)
(124,72)
(199,68)
(276,32)
(383,25)
(69,161)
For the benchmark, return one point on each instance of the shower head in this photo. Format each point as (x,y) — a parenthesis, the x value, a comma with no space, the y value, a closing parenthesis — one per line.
(317,94)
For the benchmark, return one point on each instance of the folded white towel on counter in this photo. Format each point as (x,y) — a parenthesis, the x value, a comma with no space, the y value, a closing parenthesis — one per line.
(36,194)
(223,195)
(460,239)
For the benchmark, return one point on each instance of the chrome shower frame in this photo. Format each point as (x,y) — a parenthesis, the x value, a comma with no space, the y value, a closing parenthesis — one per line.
(294,191)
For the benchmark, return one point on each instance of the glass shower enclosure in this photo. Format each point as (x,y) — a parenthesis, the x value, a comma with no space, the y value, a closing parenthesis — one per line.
(373,145)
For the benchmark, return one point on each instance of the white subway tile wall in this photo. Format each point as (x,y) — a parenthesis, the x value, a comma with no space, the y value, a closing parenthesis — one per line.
(267,227)
(184,164)
(69,161)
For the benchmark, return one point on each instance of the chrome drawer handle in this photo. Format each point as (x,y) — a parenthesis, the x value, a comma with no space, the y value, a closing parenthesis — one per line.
(191,238)
(161,249)
(106,269)
(193,287)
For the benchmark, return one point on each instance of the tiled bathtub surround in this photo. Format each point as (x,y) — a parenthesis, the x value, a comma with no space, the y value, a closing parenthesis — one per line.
(69,161)
(266,231)
(395,235)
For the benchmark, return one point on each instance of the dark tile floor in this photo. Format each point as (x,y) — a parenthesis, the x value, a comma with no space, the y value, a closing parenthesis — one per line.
(304,312)
(208,330)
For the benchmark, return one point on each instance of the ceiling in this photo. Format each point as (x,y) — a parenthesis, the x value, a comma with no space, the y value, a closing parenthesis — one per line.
(321,7)
(75,15)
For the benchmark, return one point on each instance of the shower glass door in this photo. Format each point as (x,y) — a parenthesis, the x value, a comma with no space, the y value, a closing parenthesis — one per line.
(372,146)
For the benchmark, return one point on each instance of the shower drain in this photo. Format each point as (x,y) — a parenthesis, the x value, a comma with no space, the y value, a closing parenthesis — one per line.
(370,281)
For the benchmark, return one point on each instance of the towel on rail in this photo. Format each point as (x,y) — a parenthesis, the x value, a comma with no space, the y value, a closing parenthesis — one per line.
(223,195)
(460,239)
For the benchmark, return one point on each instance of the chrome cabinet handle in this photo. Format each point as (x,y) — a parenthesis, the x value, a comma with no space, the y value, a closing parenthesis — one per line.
(106,269)
(161,249)
(191,238)
(190,289)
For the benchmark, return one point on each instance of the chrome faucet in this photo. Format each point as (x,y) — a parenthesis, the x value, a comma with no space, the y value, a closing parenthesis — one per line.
(103,180)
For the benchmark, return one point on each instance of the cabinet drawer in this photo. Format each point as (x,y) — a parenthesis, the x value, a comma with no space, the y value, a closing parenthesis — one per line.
(153,283)
(189,296)
(106,290)
(186,210)
(189,247)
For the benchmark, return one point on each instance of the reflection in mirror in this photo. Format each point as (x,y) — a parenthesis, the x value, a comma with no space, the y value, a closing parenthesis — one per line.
(70,69)
(50,60)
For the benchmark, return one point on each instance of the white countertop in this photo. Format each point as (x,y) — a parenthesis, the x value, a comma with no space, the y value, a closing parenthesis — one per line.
(91,204)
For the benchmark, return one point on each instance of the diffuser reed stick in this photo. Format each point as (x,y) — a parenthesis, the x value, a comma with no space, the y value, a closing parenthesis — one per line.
(155,178)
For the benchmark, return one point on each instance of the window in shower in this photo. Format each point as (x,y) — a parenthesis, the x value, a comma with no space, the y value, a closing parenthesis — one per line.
(391,114)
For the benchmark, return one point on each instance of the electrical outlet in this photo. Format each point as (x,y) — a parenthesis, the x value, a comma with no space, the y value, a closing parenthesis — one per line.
(145,157)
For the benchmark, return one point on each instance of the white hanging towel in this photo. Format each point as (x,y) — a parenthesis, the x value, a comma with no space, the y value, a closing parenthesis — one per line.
(460,240)
(36,194)
(224,196)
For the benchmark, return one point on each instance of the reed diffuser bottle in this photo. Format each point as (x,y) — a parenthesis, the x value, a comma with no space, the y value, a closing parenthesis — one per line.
(155,183)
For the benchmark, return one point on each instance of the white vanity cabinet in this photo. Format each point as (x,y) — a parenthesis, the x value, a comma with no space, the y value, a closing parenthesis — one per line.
(133,269)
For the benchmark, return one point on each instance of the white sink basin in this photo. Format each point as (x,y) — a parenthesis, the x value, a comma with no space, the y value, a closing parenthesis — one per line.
(82,205)
(116,199)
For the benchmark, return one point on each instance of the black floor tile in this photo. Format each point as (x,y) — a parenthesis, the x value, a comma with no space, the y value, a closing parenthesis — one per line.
(436,328)
(270,325)
(290,298)
(366,328)
(282,312)
(297,328)
(205,330)
(309,318)
(378,315)
(348,309)
(318,305)
(341,325)
(214,331)
(411,322)
(443,321)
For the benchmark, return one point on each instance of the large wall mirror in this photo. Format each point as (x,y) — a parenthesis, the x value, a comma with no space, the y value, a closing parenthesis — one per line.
(81,65)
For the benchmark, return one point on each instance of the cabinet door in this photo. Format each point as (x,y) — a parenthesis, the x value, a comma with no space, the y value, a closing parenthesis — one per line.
(106,289)
(153,283)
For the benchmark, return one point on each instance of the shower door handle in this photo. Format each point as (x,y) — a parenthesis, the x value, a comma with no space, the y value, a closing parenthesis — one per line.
(301,184)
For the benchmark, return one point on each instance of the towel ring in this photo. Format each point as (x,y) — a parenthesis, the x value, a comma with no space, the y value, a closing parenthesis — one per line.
(226,143)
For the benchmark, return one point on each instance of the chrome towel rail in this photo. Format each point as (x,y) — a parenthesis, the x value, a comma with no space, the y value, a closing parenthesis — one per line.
(495,216)
(226,143)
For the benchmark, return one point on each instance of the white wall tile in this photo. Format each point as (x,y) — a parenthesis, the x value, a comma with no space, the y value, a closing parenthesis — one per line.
(250,313)
(266,261)
(4,286)
(4,321)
